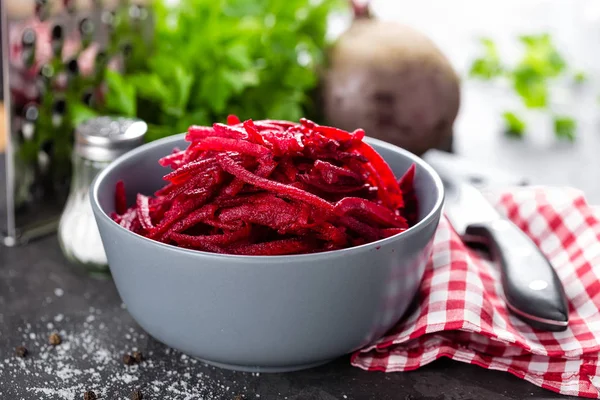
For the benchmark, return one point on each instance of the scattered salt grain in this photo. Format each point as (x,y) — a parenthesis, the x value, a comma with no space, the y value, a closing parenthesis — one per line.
(127,378)
(88,359)
(58,292)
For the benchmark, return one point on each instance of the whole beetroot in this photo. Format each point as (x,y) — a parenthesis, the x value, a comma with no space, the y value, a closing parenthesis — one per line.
(393,82)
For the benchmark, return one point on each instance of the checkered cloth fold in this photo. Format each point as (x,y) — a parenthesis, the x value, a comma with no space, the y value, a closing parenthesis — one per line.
(460,311)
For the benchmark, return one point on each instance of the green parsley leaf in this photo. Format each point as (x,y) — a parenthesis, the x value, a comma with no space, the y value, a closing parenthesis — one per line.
(181,89)
(28,151)
(217,88)
(238,56)
(148,86)
(565,127)
(514,126)
(531,87)
(531,78)
(487,66)
(79,113)
(121,95)
(258,59)
(580,77)
(542,56)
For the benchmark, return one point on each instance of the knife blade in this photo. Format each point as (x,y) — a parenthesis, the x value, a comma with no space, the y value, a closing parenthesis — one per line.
(532,289)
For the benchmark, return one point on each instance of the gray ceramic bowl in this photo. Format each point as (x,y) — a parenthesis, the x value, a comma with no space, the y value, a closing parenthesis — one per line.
(263,313)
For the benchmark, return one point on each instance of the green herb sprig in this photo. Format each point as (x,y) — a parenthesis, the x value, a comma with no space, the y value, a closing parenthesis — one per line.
(539,66)
(211,58)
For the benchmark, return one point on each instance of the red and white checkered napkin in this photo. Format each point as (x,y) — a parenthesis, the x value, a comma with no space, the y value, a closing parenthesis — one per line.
(460,312)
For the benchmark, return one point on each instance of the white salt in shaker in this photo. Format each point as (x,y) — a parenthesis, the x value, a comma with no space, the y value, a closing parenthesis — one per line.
(98,142)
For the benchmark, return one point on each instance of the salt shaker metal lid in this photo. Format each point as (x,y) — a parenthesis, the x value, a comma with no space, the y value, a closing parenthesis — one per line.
(106,138)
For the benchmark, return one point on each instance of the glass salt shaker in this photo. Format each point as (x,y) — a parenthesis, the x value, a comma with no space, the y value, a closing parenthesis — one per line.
(98,142)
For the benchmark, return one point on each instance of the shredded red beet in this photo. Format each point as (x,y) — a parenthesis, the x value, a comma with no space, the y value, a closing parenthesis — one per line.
(120,198)
(272,188)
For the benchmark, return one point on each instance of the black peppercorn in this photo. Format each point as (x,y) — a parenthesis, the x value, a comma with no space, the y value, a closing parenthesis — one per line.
(137,395)
(138,356)
(54,339)
(89,395)
(21,351)
(128,360)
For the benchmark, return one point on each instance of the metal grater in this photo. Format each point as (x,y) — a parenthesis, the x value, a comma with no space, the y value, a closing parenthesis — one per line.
(52,52)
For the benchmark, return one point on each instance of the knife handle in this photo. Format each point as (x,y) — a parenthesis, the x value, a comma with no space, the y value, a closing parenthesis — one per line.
(532,289)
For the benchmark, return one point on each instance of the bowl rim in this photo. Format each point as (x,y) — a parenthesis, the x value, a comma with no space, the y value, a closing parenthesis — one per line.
(413,230)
